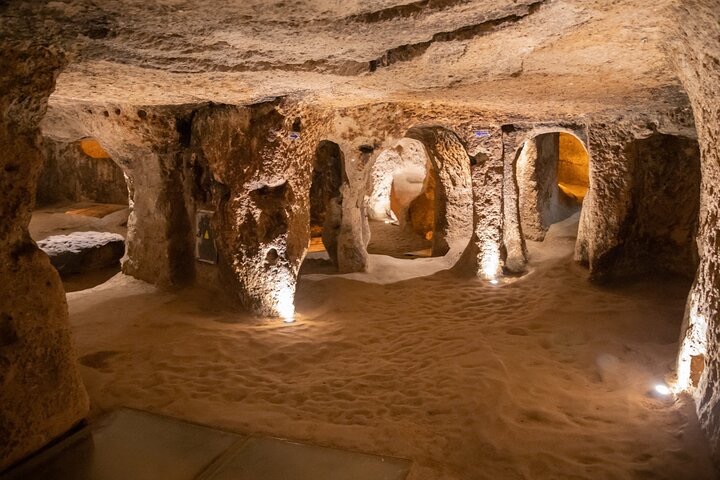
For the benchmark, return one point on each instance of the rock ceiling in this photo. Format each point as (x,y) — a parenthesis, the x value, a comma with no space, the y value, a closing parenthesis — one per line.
(525,57)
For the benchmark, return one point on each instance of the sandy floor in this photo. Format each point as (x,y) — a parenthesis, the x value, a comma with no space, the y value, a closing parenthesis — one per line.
(546,377)
(390,239)
(65,218)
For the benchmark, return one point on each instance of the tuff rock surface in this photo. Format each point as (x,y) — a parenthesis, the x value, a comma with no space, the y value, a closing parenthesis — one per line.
(70,174)
(696,56)
(41,394)
(83,251)
(223,107)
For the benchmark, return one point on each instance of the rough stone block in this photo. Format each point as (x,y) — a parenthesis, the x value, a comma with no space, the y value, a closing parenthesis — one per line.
(83,251)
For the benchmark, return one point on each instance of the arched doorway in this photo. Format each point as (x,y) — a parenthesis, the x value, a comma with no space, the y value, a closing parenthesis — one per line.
(325,201)
(553,180)
(401,202)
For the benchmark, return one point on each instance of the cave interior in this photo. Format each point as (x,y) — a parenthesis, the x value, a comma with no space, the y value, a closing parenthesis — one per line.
(473,239)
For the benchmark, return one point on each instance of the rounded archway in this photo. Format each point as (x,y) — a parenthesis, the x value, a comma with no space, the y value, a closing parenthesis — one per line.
(401,201)
(431,206)
(553,176)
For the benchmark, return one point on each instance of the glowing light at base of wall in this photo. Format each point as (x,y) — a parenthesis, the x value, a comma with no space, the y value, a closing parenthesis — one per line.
(285,303)
(490,263)
(693,344)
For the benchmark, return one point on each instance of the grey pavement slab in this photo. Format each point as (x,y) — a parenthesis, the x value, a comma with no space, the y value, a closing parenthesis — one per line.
(264,458)
(130,445)
(134,445)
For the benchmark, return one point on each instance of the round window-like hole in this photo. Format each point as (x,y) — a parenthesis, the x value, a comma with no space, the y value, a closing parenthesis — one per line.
(272,257)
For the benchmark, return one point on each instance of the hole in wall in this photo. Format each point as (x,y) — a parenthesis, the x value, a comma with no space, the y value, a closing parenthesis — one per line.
(272,257)
(8,334)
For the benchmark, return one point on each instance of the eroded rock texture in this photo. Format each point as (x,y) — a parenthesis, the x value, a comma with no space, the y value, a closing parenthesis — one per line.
(659,234)
(70,173)
(453,191)
(227,110)
(259,171)
(640,214)
(696,53)
(41,394)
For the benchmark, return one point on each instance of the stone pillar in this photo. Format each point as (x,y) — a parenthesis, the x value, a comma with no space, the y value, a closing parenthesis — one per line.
(160,242)
(41,393)
(262,171)
(354,232)
(513,241)
(609,198)
(484,256)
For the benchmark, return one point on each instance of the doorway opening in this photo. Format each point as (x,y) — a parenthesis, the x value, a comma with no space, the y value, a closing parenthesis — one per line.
(553,175)
(81,212)
(325,200)
(401,204)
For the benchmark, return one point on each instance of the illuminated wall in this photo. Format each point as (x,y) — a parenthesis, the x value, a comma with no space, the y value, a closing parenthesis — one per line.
(572,167)
(422,210)
(80,172)
(93,149)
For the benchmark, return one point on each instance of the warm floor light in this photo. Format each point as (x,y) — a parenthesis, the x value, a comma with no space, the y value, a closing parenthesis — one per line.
(494,281)
(491,261)
(285,303)
(662,389)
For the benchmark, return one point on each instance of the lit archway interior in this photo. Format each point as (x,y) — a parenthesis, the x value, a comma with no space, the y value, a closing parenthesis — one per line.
(401,203)
(573,167)
(553,180)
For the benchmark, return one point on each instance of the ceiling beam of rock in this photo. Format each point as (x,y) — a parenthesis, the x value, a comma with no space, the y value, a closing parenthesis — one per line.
(506,58)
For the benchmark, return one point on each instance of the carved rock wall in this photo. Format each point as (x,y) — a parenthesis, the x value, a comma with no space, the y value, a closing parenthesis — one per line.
(695,52)
(70,174)
(41,393)
(640,213)
(485,256)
